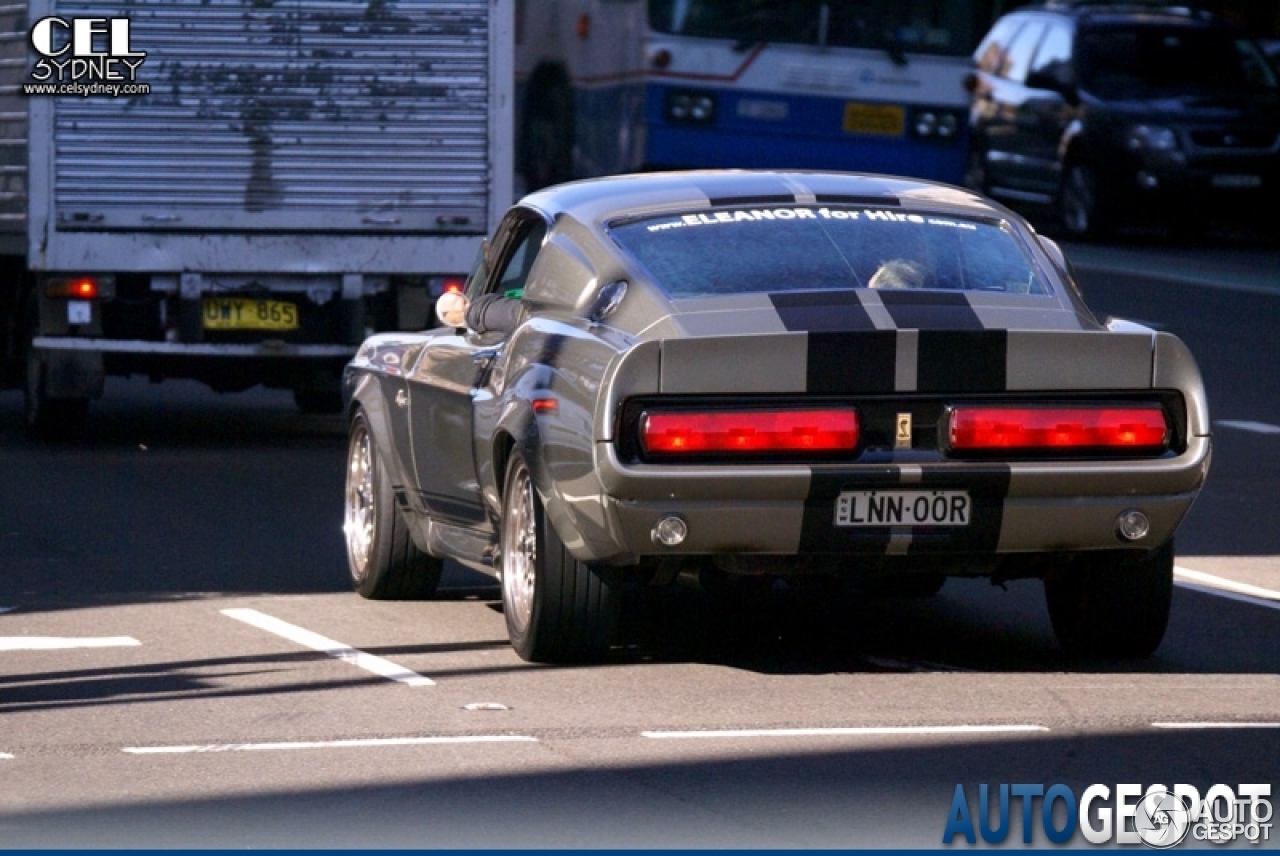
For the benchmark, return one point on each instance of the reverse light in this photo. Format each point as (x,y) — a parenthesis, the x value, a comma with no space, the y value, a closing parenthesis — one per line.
(1139,428)
(748,431)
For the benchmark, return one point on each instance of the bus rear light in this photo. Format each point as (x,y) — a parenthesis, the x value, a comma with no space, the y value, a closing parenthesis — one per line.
(1138,428)
(749,431)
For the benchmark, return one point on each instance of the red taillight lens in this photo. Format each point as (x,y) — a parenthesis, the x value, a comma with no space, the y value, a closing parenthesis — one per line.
(749,431)
(1139,428)
(79,288)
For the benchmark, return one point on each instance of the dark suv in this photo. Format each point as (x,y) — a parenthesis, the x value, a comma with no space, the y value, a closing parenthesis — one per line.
(1109,112)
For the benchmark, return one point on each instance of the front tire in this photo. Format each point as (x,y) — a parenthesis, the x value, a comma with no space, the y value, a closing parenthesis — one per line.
(557,609)
(1112,604)
(1081,205)
(383,561)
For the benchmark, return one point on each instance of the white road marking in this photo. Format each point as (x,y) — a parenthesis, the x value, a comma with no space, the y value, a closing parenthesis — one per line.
(843,732)
(1209,725)
(337,650)
(1246,425)
(355,743)
(1223,587)
(57,643)
(5,756)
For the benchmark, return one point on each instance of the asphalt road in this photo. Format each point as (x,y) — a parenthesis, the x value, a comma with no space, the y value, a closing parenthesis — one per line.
(169,548)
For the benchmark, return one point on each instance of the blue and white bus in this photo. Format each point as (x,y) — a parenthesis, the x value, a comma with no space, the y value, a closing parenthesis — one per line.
(610,86)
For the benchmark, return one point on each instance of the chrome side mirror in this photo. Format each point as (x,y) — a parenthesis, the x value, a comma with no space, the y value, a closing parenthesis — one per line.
(451,309)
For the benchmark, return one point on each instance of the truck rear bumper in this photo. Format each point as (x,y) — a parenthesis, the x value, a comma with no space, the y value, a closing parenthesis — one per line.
(134,346)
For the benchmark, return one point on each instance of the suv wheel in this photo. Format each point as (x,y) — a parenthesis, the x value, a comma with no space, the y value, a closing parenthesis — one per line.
(1079,202)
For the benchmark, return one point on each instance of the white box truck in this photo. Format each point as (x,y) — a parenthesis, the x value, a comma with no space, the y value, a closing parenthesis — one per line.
(238,191)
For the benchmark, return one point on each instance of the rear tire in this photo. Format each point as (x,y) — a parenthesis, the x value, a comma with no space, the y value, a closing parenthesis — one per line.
(1113,604)
(557,609)
(383,561)
(53,419)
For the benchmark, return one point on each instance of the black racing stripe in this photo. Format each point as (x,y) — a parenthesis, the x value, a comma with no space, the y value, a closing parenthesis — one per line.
(766,199)
(987,486)
(749,190)
(806,311)
(840,363)
(915,310)
(961,361)
(850,199)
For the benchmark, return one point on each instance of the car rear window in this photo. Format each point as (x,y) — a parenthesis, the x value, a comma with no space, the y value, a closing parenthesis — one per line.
(766,249)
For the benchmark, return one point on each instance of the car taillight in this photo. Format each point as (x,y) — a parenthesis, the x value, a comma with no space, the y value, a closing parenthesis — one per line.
(438,285)
(700,432)
(1137,428)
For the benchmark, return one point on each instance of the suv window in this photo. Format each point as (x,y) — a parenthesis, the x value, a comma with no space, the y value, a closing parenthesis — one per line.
(1053,59)
(1148,61)
(1018,57)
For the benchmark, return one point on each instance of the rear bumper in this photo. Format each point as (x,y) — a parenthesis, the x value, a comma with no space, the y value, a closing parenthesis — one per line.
(1016,507)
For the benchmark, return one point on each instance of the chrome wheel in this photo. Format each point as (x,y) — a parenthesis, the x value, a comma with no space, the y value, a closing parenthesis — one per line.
(361,503)
(1079,201)
(519,552)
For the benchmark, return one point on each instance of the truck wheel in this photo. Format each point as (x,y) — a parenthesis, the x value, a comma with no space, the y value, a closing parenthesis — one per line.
(316,399)
(558,610)
(51,418)
(384,562)
(1113,604)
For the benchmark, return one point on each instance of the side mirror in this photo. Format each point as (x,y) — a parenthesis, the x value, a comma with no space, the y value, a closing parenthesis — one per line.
(1055,82)
(451,309)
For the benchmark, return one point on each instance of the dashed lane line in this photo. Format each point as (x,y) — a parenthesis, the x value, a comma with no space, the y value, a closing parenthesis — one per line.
(337,650)
(1247,425)
(354,743)
(1223,587)
(868,731)
(1215,725)
(59,643)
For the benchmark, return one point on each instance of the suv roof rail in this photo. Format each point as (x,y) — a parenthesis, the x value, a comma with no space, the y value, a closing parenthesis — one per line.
(1180,8)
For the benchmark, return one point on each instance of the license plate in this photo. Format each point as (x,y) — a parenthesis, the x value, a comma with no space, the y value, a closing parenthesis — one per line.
(237,313)
(903,508)
(1237,182)
(883,120)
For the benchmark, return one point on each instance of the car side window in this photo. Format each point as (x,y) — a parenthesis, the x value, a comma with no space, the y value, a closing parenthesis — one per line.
(521,259)
(1018,57)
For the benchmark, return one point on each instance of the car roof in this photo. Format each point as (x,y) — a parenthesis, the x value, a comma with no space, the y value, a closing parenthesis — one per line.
(601,200)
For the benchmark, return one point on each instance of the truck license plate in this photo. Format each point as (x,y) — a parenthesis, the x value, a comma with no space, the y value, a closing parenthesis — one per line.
(882,120)
(903,508)
(238,313)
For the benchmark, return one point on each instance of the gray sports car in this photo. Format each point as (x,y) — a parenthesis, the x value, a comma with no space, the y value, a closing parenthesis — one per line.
(770,374)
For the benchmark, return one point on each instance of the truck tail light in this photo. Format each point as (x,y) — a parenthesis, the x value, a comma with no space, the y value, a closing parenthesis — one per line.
(749,431)
(1136,428)
(75,288)
(438,285)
